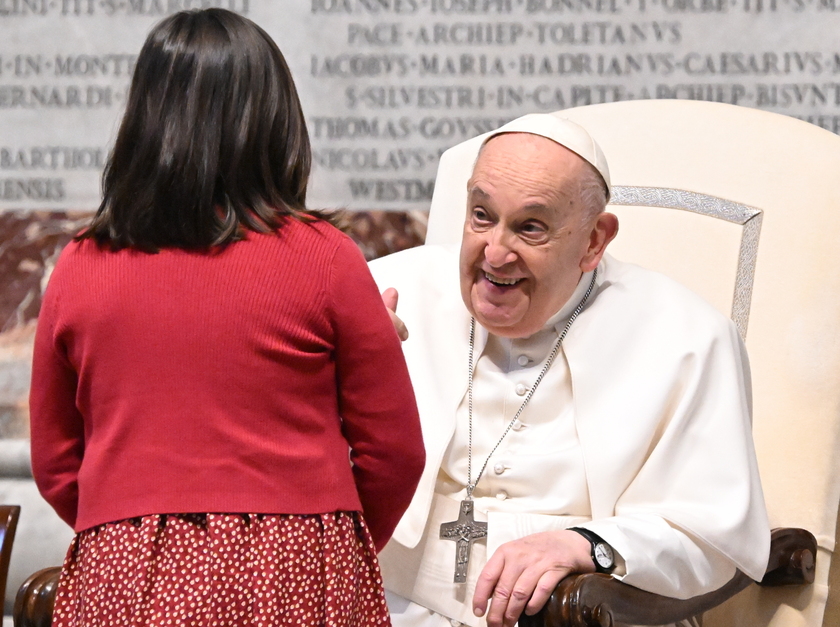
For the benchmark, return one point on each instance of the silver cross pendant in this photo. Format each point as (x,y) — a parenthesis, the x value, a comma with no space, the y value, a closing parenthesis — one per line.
(463,532)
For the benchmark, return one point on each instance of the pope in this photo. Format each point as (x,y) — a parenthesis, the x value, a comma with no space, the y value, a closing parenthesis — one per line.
(580,414)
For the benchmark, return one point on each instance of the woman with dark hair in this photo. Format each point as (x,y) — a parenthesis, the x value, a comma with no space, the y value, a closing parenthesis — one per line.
(208,356)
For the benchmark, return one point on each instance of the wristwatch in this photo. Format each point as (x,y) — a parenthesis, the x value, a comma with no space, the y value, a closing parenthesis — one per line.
(602,553)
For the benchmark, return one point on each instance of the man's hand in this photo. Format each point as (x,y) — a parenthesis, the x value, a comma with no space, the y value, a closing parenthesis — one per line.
(390,298)
(522,574)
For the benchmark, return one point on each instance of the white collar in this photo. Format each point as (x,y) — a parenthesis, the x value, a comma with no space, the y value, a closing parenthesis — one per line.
(559,320)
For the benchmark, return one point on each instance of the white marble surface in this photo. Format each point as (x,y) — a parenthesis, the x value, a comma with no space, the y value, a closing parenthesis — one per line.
(386,85)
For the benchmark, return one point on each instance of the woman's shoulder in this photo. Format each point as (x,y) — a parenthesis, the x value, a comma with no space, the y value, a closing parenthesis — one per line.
(303,246)
(74,254)
(324,228)
(309,235)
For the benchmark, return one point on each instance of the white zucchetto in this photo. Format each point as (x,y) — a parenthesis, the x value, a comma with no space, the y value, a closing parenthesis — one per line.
(449,202)
(564,132)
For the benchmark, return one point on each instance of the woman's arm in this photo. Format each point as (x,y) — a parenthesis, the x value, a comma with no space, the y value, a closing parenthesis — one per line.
(56,426)
(376,400)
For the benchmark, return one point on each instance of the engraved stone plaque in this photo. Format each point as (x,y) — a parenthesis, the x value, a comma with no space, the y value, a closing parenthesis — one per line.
(388,84)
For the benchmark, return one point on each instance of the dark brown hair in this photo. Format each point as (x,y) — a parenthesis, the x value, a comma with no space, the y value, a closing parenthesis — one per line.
(213,139)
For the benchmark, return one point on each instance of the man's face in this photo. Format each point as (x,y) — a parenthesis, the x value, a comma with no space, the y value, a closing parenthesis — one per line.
(525,242)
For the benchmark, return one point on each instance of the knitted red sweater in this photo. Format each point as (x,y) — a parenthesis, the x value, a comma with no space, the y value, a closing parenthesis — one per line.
(236,381)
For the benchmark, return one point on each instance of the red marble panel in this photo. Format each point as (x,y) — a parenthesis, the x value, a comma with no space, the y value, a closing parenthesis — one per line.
(29,245)
(379,233)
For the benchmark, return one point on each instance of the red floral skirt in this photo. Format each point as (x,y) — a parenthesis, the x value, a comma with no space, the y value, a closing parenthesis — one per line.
(216,570)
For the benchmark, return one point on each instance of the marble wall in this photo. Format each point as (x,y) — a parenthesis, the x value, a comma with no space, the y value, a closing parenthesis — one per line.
(30,243)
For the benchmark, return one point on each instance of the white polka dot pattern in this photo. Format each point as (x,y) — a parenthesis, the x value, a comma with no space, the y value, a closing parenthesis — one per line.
(223,570)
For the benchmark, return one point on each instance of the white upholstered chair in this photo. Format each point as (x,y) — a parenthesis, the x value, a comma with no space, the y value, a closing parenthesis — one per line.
(742,206)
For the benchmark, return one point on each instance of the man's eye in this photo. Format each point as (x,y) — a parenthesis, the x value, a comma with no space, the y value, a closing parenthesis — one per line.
(532,228)
(533,231)
(479,215)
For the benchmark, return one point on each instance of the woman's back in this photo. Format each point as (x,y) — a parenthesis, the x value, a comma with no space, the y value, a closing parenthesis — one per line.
(208,381)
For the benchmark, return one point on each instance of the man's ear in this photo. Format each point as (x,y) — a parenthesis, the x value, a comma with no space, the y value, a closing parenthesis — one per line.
(604,230)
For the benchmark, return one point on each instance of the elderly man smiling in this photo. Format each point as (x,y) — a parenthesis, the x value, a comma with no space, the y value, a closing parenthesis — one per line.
(576,409)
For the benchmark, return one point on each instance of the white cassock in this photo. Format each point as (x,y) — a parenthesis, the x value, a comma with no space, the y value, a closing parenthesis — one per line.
(640,432)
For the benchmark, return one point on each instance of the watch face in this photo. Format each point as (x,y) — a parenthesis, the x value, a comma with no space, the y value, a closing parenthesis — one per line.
(604,555)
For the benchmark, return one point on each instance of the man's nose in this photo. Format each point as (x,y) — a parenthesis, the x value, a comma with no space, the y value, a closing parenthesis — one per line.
(499,249)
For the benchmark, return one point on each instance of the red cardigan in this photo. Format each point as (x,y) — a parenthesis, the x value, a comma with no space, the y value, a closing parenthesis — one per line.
(234,381)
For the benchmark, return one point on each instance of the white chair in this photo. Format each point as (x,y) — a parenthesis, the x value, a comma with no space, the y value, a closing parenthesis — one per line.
(743,206)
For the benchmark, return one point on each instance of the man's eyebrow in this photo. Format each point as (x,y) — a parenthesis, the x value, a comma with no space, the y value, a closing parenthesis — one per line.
(475,190)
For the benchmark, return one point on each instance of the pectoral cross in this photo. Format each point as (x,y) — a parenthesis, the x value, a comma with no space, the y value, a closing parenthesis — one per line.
(463,532)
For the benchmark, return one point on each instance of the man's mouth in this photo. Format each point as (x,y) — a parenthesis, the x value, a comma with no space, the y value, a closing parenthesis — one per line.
(500,281)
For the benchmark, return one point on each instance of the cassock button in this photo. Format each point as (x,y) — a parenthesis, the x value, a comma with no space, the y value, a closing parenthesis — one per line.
(523,360)
(517,426)
(455,623)
(501,495)
(521,389)
(499,468)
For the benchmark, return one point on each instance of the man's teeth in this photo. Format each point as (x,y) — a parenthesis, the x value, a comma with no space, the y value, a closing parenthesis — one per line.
(500,281)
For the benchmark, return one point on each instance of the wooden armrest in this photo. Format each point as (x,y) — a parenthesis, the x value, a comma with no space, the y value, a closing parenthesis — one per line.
(594,600)
(793,558)
(36,598)
(9,515)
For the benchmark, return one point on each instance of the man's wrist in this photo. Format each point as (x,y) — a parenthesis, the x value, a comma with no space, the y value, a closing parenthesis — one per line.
(601,553)
(579,552)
